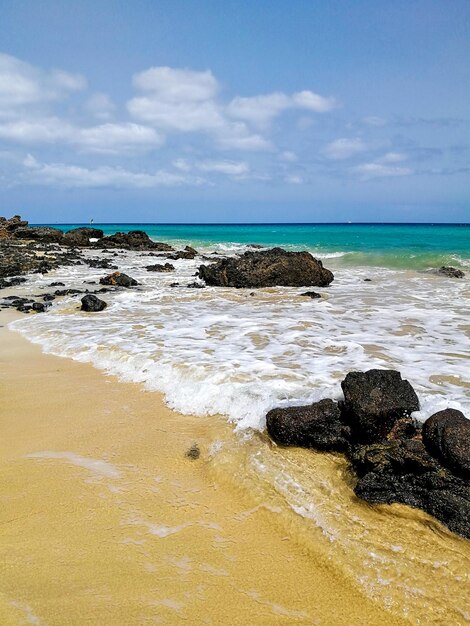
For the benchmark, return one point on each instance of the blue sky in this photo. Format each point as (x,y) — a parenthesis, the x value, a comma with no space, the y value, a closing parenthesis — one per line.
(235,111)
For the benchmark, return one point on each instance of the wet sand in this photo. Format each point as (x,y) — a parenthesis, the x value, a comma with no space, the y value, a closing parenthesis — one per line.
(105,520)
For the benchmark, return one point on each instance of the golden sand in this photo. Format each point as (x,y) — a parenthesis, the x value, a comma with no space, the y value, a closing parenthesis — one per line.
(105,520)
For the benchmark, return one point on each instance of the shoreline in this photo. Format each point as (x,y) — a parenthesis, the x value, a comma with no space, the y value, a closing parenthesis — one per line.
(142,503)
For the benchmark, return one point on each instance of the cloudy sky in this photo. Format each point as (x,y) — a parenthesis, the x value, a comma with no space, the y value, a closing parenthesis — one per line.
(235,111)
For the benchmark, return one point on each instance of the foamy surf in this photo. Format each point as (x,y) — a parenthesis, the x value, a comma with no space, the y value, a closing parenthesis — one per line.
(239,353)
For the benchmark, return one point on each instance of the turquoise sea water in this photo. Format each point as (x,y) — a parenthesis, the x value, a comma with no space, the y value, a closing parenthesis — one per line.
(406,246)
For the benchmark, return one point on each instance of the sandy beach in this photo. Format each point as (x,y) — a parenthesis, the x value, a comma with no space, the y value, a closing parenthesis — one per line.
(105,520)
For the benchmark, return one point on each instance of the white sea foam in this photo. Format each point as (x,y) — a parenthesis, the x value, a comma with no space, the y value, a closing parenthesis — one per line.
(230,352)
(98,467)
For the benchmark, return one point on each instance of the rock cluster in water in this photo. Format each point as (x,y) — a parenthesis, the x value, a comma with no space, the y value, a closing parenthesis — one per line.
(394,458)
(267,268)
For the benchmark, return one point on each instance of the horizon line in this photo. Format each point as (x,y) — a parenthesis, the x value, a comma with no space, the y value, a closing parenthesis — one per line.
(349,223)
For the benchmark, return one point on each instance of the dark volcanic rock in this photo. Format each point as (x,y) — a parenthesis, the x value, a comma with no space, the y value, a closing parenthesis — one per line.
(267,268)
(45,234)
(195,285)
(80,237)
(168,267)
(375,400)
(451,272)
(18,257)
(133,240)
(119,279)
(104,264)
(67,292)
(311,294)
(91,303)
(39,307)
(446,435)
(404,472)
(399,457)
(318,426)
(187,253)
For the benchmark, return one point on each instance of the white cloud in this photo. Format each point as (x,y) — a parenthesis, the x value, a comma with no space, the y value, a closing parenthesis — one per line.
(378,170)
(231,168)
(106,138)
(176,85)
(100,106)
(261,110)
(344,148)
(118,138)
(183,116)
(22,85)
(74,176)
(393,157)
(314,102)
(185,101)
(42,130)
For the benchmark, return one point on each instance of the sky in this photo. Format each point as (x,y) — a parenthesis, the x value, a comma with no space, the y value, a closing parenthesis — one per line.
(235,111)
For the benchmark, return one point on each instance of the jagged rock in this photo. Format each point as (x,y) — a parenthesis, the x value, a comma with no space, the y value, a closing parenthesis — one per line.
(92,304)
(119,279)
(446,435)
(375,400)
(267,268)
(167,267)
(8,226)
(311,294)
(80,237)
(195,285)
(318,425)
(451,272)
(133,240)
(187,253)
(45,234)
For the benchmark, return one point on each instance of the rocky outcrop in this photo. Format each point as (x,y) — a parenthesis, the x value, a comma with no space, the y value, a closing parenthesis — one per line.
(80,237)
(17,257)
(394,459)
(267,268)
(92,304)
(167,267)
(446,435)
(187,253)
(118,279)
(451,272)
(375,400)
(317,425)
(9,226)
(44,234)
(133,240)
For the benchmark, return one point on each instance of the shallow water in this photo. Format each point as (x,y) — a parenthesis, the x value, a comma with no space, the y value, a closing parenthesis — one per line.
(401,246)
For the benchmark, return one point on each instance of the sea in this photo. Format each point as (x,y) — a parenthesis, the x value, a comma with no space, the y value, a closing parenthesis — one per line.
(236,353)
